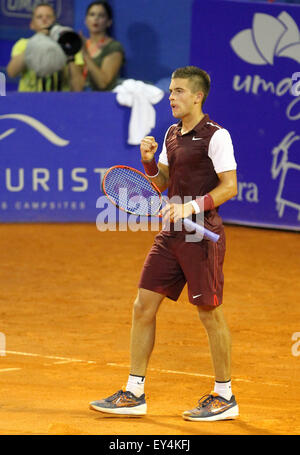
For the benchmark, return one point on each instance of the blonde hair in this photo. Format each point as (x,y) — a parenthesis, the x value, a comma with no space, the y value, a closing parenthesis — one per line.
(43,4)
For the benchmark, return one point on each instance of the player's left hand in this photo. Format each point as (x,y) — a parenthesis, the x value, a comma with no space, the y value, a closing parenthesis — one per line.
(175,212)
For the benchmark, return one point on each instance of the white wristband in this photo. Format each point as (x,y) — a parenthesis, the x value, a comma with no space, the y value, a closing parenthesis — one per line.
(152,176)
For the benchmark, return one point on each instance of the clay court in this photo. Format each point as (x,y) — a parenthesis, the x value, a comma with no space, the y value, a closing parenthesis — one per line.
(66,296)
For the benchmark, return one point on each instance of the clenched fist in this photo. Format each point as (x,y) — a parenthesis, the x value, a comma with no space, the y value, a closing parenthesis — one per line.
(148,148)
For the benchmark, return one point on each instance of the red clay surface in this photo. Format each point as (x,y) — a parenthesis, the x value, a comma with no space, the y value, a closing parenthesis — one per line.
(66,293)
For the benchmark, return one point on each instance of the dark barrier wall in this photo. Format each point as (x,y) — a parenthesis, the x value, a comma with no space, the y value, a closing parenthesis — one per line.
(54,148)
(253,60)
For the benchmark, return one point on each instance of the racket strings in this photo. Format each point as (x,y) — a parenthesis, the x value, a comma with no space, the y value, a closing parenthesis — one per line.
(132,192)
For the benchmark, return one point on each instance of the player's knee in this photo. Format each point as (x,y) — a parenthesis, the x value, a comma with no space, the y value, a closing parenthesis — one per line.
(142,311)
(205,316)
(211,318)
(144,307)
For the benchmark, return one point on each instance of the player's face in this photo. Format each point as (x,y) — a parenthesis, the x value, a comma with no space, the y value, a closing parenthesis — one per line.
(97,20)
(43,18)
(182,100)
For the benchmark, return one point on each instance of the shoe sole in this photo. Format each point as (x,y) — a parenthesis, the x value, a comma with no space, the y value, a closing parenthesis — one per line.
(134,411)
(230,414)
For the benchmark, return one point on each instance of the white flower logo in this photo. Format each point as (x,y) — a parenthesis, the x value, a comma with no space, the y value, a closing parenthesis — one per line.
(269,37)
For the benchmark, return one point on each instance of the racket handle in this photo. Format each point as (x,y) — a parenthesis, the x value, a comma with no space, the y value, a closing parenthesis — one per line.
(201,230)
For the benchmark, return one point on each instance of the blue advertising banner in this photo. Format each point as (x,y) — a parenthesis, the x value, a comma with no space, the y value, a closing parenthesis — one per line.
(17,13)
(252,53)
(55,149)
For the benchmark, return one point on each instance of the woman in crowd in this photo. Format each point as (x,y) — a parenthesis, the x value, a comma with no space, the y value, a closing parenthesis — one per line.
(102,55)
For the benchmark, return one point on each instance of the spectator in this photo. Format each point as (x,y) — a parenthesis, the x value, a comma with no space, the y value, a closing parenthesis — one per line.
(69,78)
(102,55)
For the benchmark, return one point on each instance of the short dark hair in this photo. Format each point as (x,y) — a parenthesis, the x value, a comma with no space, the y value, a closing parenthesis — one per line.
(105,5)
(199,78)
(43,4)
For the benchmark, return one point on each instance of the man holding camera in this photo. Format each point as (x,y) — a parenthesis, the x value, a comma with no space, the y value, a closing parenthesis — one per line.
(66,78)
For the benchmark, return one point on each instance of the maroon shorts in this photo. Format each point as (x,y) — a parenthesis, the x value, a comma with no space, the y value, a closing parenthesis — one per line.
(172,262)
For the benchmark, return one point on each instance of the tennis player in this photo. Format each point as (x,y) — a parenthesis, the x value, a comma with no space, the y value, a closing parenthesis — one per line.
(197,160)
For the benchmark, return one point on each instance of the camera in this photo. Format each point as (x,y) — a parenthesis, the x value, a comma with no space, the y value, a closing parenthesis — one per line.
(47,54)
(69,41)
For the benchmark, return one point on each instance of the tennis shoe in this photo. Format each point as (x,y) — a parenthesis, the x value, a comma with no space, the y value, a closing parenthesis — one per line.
(212,407)
(122,402)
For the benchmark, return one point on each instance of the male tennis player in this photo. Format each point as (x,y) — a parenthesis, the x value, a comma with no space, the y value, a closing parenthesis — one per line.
(197,160)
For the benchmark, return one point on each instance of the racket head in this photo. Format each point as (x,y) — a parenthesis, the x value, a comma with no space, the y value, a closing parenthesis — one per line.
(131,191)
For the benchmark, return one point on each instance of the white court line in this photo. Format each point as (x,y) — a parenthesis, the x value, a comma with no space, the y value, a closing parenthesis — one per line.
(63,359)
(157,370)
(2,370)
(63,362)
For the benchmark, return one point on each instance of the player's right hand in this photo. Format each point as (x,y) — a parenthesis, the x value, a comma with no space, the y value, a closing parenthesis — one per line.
(148,148)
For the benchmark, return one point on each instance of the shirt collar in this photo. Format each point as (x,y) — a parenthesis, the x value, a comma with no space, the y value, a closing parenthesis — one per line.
(202,122)
(196,128)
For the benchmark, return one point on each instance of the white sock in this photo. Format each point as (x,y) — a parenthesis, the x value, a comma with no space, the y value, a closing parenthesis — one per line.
(135,385)
(223,389)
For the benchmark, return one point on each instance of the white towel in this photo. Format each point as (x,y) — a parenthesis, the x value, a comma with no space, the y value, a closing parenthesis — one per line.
(140,97)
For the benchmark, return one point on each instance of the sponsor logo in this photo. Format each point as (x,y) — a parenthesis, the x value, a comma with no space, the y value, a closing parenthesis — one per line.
(2,84)
(46,180)
(197,138)
(296,85)
(247,191)
(220,409)
(23,8)
(272,37)
(268,38)
(289,173)
(46,132)
(296,345)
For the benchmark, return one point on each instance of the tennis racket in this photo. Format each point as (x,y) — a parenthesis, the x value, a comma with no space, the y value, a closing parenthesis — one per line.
(131,191)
